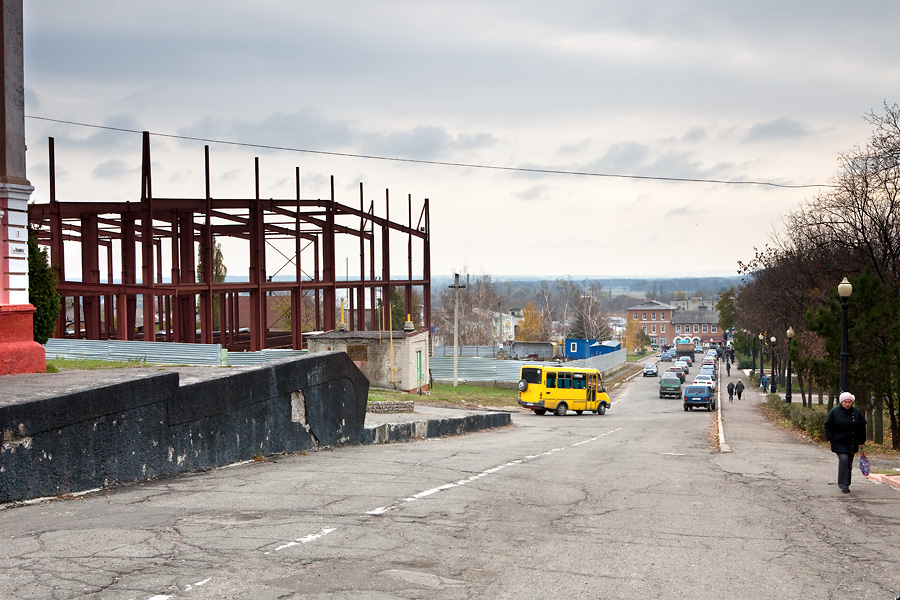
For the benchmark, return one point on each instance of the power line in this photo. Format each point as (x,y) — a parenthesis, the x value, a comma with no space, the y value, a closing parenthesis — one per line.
(438,162)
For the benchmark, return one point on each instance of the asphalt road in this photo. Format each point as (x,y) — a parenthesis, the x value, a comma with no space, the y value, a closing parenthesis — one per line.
(634,504)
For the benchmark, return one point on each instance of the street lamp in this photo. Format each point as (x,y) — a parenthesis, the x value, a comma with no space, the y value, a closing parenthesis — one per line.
(844,291)
(787,393)
(762,352)
(772,339)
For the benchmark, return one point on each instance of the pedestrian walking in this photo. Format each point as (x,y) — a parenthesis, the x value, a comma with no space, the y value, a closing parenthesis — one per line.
(845,428)
(730,389)
(763,382)
(728,368)
(739,388)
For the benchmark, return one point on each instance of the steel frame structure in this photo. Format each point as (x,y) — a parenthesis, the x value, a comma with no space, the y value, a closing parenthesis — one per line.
(141,230)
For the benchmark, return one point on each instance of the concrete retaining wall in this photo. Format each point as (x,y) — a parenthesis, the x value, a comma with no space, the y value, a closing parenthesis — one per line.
(79,439)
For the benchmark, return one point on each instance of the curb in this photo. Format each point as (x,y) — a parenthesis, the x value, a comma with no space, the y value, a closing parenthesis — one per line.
(892,480)
(388,433)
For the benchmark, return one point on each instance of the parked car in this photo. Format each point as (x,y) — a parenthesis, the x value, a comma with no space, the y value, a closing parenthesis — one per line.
(699,396)
(651,370)
(677,371)
(669,385)
(706,380)
(708,370)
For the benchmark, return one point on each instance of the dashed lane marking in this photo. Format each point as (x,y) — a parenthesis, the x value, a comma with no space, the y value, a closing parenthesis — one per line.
(383,509)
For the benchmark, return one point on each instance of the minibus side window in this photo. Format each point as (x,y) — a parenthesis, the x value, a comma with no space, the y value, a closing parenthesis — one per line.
(565,381)
(578,382)
(551,379)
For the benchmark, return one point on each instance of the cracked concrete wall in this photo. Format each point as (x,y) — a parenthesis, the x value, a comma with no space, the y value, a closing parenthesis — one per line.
(154,426)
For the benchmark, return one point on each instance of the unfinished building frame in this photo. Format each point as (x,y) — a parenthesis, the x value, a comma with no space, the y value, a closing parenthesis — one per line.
(158,234)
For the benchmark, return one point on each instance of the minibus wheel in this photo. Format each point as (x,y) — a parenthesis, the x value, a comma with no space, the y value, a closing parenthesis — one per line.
(540,411)
(522,385)
(601,409)
(561,409)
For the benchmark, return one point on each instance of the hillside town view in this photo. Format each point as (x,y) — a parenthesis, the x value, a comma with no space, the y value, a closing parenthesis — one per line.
(449,300)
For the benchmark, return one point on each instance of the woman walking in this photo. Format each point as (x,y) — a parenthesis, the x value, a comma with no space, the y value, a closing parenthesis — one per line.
(845,428)
(739,388)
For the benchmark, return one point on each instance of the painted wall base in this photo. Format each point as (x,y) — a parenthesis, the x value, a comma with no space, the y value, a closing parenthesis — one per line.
(19,353)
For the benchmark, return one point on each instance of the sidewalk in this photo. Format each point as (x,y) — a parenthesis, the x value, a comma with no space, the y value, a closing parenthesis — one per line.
(743,416)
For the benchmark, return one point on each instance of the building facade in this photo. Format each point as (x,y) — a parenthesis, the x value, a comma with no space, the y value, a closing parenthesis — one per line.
(655,318)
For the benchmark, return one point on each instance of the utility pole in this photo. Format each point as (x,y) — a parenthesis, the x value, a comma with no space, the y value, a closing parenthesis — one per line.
(455,287)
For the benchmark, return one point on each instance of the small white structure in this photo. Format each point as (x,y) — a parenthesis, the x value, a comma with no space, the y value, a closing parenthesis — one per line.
(394,360)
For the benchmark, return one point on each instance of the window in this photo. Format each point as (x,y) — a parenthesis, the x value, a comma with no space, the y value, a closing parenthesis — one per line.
(653,329)
(652,316)
(579,382)
(678,329)
(662,316)
(635,317)
(713,328)
(662,328)
(532,375)
(565,381)
(696,329)
(645,317)
(551,379)
(573,347)
(705,328)
(645,328)
(662,341)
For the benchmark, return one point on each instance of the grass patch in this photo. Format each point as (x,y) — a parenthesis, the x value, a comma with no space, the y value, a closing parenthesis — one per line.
(57,365)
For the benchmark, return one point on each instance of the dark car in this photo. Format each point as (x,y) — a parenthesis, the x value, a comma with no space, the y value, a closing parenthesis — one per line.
(699,396)
(666,357)
(651,370)
(670,385)
(678,371)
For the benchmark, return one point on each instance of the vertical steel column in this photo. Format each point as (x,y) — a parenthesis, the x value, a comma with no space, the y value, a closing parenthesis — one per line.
(57,253)
(90,273)
(258,319)
(188,274)
(147,270)
(329,308)
(372,292)
(207,254)
(127,322)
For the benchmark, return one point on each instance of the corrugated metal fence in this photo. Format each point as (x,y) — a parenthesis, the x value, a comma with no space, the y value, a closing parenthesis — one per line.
(490,369)
(160,353)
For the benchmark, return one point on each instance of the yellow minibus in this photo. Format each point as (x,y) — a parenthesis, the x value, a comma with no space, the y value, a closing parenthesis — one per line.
(561,389)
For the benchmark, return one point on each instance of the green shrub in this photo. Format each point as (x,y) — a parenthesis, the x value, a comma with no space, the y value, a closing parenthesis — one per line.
(809,420)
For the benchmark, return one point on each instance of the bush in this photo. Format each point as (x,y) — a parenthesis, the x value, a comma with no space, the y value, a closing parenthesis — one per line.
(809,420)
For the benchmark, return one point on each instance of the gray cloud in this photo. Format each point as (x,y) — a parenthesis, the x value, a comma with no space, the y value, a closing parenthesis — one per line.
(114,169)
(783,128)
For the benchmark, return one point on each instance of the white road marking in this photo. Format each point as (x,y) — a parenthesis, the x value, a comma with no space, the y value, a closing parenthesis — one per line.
(189,587)
(383,509)
(306,539)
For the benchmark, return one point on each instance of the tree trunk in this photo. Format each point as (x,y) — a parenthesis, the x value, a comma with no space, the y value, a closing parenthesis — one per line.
(879,420)
(802,390)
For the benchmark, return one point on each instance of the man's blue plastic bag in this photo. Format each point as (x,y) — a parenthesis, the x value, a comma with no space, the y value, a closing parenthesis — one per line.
(864,464)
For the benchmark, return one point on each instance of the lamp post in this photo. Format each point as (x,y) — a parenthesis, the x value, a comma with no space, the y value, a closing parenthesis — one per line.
(787,392)
(844,291)
(762,353)
(772,339)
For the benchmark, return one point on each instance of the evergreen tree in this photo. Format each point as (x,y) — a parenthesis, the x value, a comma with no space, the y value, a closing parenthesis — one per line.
(42,292)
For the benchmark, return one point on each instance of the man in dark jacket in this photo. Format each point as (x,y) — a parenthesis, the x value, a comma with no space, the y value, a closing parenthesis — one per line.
(845,428)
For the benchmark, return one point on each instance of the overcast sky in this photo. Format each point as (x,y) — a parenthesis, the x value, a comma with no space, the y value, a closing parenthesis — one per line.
(763,91)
